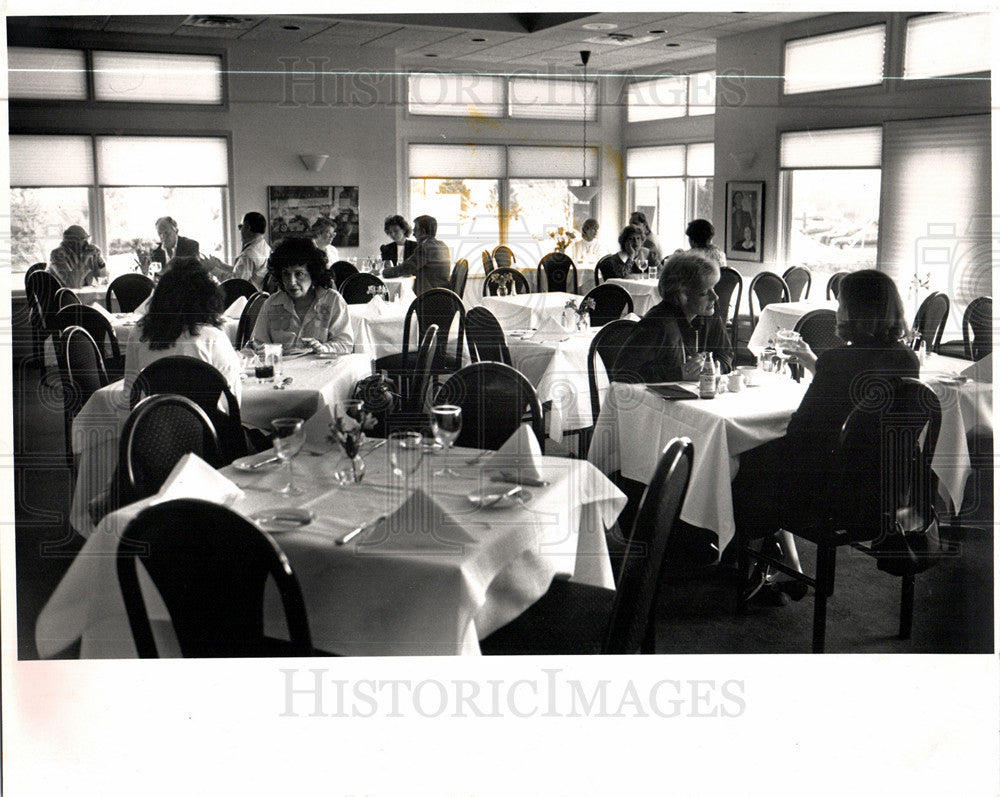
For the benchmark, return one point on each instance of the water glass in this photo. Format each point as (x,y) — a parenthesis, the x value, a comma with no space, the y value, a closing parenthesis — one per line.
(289,437)
(446,424)
(272,362)
(406,450)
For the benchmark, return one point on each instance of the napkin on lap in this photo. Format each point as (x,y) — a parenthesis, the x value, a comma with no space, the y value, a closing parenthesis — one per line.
(192,477)
(420,524)
(981,371)
(519,457)
(549,330)
(235,310)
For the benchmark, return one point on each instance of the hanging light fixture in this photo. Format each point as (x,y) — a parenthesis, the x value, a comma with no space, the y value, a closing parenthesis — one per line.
(584,192)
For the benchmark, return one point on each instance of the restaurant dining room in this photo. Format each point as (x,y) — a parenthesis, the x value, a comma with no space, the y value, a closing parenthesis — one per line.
(461,345)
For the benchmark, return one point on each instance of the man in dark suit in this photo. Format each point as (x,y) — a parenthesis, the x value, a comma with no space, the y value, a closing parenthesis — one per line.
(430,262)
(171,244)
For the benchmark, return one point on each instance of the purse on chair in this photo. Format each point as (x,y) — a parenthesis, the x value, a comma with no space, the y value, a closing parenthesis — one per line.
(912,546)
(381,398)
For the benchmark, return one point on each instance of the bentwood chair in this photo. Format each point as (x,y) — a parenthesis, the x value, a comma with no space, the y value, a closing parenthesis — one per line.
(573,618)
(487,342)
(361,288)
(729,289)
(833,284)
(557,272)
(977,332)
(65,297)
(412,412)
(81,373)
(495,400)
(40,288)
(505,279)
(100,329)
(930,319)
(798,279)
(606,345)
(340,271)
(130,290)
(765,288)
(503,257)
(234,288)
(434,306)
(210,566)
(488,264)
(818,328)
(248,319)
(459,276)
(611,302)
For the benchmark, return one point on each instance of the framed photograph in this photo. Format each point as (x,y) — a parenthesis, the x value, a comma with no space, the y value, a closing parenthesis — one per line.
(292,210)
(745,221)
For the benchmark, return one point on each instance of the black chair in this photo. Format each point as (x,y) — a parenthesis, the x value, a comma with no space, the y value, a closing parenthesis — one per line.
(32,269)
(729,289)
(605,268)
(977,328)
(234,288)
(488,264)
(100,329)
(766,287)
(607,344)
(611,302)
(340,271)
(40,287)
(210,565)
(361,288)
(434,306)
(573,618)
(412,414)
(459,276)
(557,272)
(487,342)
(205,386)
(130,290)
(509,279)
(818,328)
(930,319)
(799,280)
(248,318)
(880,472)
(833,284)
(495,400)
(81,374)
(65,297)
(503,256)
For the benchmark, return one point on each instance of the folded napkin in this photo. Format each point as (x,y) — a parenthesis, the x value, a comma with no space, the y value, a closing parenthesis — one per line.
(192,477)
(100,309)
(520,457)
(981,371)
(549,331)
(420,524)
(632,317)
(235,310)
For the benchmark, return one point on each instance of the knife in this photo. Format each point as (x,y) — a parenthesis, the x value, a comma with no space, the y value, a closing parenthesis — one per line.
(263,462)
(506,478)
(355,532)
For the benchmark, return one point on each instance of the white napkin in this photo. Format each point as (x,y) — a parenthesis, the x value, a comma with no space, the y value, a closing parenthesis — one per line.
(981,371)
(192,477)
(549,330)
(632,317)
(100,309)
(235,310)
(143,308)
(519,457)
(420,524)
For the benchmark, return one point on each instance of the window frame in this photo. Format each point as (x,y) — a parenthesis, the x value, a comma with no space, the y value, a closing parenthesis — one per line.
(808,97)
(922,83)
(688,76)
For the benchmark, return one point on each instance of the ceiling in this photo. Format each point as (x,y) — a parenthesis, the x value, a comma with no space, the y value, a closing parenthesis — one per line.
(622,41)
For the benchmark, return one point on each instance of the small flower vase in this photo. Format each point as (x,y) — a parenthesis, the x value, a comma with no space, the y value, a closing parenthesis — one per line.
(569,318)
(583,322)
(358,468)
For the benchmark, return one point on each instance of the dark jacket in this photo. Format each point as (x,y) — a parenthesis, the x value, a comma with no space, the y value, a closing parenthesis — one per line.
(657,348)
(186,247)
(430,263)
(389,251)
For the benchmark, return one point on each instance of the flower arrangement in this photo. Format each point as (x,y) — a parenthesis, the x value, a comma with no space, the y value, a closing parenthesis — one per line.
(348,429)
(562,237)
(585,306)
(377,290)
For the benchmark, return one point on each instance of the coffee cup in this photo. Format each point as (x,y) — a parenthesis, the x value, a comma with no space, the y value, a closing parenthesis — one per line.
(749,374)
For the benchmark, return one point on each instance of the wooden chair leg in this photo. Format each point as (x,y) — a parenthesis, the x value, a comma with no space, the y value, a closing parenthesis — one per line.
(826,562)
(906,607)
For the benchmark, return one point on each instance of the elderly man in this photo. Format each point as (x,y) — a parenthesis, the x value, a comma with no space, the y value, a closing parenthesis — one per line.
(75,262)
(251,263)
(171,244)
(430,262)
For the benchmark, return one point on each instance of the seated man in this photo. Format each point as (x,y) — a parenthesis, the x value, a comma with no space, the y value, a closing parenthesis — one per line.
(75,262)
(171,244)
(430,262)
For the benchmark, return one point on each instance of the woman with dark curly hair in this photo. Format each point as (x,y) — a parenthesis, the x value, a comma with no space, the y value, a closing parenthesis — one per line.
(402,246)
(307,313)
(184,318)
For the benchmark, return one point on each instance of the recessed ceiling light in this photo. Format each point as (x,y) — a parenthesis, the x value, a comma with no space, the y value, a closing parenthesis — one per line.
(479,39)
(657,31)
(430,55)
(672,44)
(291,27)
(599,26)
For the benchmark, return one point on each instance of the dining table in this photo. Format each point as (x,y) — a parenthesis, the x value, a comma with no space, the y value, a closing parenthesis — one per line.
(528,310)
(645,291)
(439,563)
(782,315)
(88,294)
(315,383)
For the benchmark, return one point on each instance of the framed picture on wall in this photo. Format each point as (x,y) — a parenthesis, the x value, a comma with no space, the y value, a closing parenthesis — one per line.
(293,209)
(745,221)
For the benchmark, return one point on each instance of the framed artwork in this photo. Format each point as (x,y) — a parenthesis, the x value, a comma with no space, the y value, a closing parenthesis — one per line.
(292,210)
(745,221)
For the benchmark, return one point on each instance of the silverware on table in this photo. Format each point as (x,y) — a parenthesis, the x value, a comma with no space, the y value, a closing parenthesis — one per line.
(378,444)
(263,462)
(511,492)
(479,457)
(506,478)
(346,538)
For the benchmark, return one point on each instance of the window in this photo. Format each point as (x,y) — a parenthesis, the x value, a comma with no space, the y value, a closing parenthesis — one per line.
(947,44)
(435,94)
(672,96)
(671,185)
(830,181)
(40,73)
(116,187)
(846,59)
(546,98)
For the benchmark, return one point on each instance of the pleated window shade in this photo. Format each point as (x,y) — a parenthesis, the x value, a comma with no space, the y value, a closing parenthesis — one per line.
(551,162)
(435,94)
(669,161)
(845,59)
(662,98)
(51,161)
(848,148)
(157,77)
(162,160)
(40,73)
(550,98)
(947,44)
(456,160)
(701,160)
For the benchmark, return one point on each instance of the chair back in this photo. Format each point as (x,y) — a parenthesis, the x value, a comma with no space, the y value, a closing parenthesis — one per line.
(361,288)
(100,329)
(130,290)
(833,284)
(495,400)
(436,306)
(234,288)
(729,289)
(558,271)
(607,344)
(340,271)
(631,627)
(248,318)
(81,374)
(488,264)
(414,402)
(818,328)
(459,276)
(509,280)
(210,565)
(977,328)
(799,280)
(611,302)
(487,343)
(40,287)
(65,297)
(503,257)
(931,317)
(32,269)
(765,288)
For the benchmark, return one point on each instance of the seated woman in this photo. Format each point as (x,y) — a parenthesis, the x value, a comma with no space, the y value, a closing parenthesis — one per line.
(780,479)
(699,234)
(306,313)
(623,262)
(649,239)
(401,245)
(672,340)
(184,318)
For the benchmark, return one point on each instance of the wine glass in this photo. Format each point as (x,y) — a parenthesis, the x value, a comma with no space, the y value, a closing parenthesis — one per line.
(446,423)
(289,437)
(406,450)
(643,264)
(785,344)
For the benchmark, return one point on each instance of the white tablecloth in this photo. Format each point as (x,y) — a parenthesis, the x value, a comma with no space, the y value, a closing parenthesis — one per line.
(430,592)
(527,310)
(316,384)
(125,323)
(89,294)
(781,315)
(400,289)
(644,292)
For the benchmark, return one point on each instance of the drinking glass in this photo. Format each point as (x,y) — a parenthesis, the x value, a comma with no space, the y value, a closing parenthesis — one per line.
(643,264)
(289,436)
(785,344)
(446,423)
(272,361)
(406,450)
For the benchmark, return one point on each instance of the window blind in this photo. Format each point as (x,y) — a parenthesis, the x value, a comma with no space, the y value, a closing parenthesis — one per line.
(162,161)
(436,94)
(701,93)
(667,161)
(947,44)
(456,160)
(157,77)
(38,73)
(701,160)
(549,98)
(550,162)
(848,148)
(839,60)
(51,160)
(662,98)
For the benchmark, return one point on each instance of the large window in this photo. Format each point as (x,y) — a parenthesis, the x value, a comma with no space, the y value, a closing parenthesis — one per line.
(522,97)
(830,188)
(672,96)
(938,45)
(116,187)
(846,59)
(672,185)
